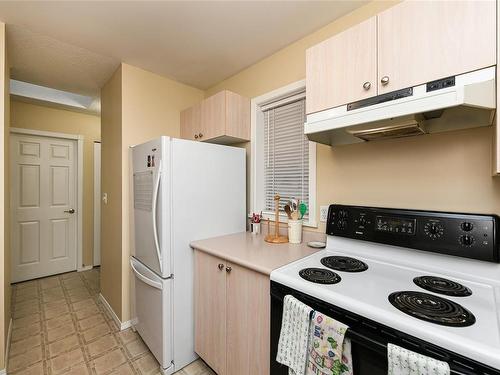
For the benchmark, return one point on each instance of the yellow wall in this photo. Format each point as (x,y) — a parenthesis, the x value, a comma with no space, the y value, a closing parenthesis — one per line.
(4,190)
(449,171)
(111,177)
(38,117)
(150,107)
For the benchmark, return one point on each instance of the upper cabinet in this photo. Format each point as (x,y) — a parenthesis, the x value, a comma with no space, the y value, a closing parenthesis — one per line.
(222,118)
(409,44)
(421,41)
(342,69)
(191,122)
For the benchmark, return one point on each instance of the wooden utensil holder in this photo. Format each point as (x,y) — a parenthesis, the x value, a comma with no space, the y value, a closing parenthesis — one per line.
(276,238)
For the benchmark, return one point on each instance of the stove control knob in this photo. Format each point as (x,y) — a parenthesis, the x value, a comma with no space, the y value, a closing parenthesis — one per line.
(466,226)
(433,229)
(466,240)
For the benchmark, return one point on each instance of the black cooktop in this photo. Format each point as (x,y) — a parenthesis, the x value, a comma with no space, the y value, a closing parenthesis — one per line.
(319,275)
(432,308)
(442,286)
(342,263)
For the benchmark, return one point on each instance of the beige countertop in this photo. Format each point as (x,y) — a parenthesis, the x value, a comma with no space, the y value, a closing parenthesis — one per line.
(251,251)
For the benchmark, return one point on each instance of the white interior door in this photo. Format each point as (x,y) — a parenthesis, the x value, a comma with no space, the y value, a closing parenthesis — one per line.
(43,206)
(97,203)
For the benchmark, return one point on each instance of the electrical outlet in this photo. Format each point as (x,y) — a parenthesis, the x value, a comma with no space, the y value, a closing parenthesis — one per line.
(323,213)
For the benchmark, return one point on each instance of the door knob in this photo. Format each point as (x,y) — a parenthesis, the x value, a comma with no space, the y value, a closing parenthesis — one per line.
(384,80)
(70,211)
(228,269)
(367,86)
(220,266)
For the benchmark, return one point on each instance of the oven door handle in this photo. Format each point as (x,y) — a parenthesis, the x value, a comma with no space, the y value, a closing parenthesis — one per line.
(358,337)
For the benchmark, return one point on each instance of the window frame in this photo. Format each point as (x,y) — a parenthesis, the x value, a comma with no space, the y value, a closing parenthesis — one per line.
(257,178)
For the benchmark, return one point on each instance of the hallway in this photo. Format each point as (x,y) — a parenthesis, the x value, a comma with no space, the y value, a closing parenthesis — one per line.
(61,327)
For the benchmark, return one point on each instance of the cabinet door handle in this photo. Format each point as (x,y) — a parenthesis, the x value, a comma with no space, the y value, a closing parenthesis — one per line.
(367,86)
(220,266)
(228,269)
(196,136)
(200,135)
(385,80)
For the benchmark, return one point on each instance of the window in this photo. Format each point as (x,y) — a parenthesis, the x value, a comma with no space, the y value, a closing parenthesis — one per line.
(286,154)
(283,160)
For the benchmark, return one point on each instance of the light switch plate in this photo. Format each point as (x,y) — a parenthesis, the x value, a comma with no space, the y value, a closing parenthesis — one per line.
(323,213)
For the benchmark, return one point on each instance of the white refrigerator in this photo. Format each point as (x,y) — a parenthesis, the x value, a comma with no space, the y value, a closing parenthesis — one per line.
(182,191)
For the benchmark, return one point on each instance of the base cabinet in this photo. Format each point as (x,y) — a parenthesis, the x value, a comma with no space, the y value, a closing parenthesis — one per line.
(210,311)
(232,312)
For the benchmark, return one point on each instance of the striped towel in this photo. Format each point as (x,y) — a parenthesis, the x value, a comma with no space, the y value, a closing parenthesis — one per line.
(294,336)
(406,362)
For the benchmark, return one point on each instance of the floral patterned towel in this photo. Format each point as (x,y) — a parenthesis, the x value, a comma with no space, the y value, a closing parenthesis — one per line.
(329,351)
(406,362)
(294,336)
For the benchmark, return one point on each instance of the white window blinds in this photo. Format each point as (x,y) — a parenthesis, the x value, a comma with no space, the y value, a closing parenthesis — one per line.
(286,153)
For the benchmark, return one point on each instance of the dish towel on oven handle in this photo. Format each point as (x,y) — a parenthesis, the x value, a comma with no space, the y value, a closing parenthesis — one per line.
(405,362)
(294,336)
(329,350)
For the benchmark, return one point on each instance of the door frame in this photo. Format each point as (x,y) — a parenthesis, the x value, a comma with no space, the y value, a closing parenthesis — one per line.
(97,205)
(79,184)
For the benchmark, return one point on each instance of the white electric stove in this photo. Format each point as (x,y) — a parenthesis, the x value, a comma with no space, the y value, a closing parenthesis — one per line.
(402,276)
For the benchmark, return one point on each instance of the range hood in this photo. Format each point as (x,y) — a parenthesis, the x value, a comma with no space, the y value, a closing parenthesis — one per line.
(458,102)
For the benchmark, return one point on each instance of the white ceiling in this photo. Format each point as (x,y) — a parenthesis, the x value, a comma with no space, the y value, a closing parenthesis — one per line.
(76,45)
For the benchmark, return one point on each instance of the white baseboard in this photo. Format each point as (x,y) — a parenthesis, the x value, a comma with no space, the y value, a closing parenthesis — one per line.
(84,268)
(119,323)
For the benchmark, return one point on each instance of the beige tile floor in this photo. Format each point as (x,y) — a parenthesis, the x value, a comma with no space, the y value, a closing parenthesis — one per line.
(61,327)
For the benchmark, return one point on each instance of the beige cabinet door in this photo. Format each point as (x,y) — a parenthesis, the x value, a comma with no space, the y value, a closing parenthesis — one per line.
(191,122)
(43,202)
(248,328)
(237,116)
(342,69)
(421,41)
(213,115)
(210,310)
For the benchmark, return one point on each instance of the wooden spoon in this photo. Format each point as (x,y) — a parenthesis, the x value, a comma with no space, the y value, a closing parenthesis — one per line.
(288,211)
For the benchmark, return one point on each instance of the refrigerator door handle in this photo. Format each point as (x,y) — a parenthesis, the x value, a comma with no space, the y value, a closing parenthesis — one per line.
(143,278)
(155,229)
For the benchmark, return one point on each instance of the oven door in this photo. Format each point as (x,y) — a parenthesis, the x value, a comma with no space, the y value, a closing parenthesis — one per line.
(368,357)
(369,339)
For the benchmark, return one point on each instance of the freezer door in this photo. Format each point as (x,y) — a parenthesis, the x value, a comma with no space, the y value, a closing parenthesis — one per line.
(150,200)
(153,309)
